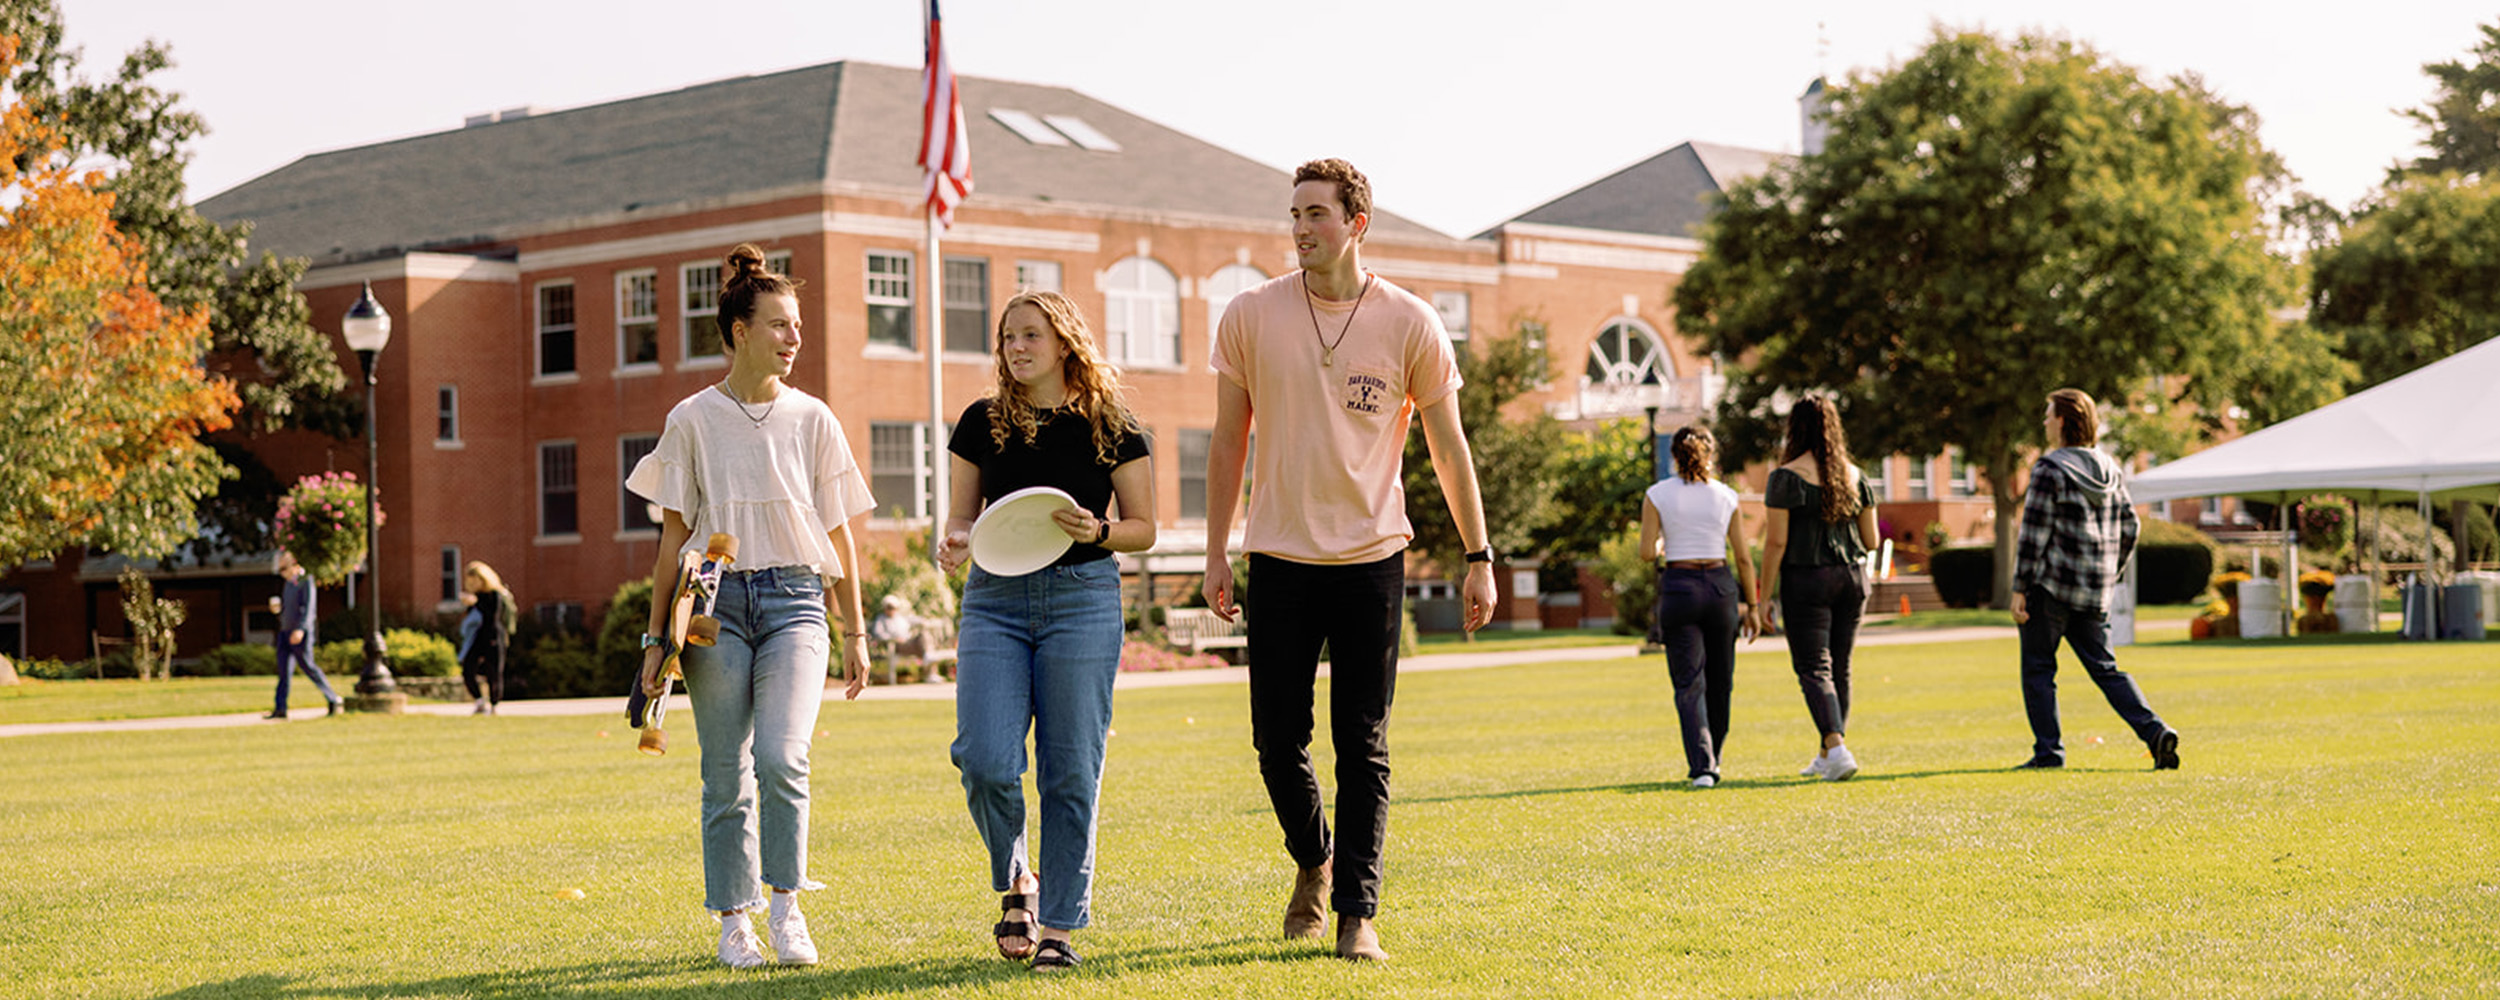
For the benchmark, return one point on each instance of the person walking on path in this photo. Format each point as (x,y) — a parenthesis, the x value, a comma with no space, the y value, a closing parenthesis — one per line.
(1821,512)
(1691,529)
(769,465)
(1331,364)
(298,612)
(1039,651)
(485,634)
(2078,531)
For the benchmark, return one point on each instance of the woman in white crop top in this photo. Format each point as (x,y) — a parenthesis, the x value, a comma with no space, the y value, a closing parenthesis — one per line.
(1689,525)
(769,465)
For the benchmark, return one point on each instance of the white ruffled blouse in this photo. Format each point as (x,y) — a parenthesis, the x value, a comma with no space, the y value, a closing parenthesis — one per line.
(777,487)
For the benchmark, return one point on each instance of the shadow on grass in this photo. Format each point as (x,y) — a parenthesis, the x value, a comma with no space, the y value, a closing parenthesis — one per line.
(688,977)
(1630,788)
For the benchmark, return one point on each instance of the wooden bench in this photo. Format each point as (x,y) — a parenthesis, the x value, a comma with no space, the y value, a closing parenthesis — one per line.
(1199,629)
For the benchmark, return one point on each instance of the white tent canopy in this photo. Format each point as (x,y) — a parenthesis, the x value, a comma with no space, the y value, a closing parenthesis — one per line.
(2435,430)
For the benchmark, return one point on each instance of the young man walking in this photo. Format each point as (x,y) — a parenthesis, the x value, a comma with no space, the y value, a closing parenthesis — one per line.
(1330,363)
(2078,530)
(296,619)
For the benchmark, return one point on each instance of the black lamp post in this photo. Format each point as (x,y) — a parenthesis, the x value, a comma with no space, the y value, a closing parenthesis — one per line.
(1649,427)
(367,327)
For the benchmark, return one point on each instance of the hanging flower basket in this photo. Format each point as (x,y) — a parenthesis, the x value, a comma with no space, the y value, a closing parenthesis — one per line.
(322,523)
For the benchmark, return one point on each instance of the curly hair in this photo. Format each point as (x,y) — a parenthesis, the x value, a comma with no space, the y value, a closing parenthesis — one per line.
(1814,428)
(1696,454)
(1094,388)
(1354,191)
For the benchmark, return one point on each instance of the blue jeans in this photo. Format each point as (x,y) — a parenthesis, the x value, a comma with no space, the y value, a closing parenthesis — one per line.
(298,656)
(2086,631)
(755,699)
(1041,650)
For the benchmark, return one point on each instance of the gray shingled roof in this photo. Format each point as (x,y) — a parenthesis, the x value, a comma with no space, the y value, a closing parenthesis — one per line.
(1665,195)
(850,124)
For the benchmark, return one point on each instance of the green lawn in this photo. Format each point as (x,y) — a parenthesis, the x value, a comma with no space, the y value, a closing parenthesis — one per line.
(64,701)
(2331,835)
(1492,642)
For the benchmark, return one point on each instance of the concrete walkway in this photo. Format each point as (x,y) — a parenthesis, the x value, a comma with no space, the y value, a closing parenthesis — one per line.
(1877,636)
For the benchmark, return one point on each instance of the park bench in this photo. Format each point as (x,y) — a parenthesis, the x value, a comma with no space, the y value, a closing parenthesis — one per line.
(1199,629)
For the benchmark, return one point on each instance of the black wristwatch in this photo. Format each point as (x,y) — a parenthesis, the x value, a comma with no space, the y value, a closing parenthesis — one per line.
(1483,555)
(1104,535)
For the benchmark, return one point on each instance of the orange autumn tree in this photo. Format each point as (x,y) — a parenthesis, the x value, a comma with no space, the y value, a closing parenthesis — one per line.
(102,395)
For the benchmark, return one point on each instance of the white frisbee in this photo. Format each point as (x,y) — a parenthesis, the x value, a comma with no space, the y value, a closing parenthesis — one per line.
(1016,536)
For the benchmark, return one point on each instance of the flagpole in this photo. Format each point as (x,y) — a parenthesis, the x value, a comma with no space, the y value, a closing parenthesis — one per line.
(941,500)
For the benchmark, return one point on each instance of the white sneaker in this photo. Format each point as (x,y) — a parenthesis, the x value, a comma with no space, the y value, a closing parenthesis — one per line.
(738,948)
(1839,764)
(1813,769)
(790,939)
(1706,781)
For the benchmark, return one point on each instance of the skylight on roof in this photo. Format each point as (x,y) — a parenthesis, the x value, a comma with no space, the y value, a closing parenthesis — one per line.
(1085,134)
(1024,124)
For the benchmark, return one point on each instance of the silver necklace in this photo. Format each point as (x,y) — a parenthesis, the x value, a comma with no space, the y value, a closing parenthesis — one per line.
(1328,351)
(742,405)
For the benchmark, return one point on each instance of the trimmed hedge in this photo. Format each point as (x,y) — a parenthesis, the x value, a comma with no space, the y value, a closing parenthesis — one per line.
(1963,575)
(2168,573)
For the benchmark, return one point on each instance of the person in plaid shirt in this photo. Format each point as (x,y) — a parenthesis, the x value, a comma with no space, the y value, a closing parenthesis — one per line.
(2077,531)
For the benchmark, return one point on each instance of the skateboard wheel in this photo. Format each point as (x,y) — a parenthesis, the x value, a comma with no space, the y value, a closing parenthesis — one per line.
(722,546)
(703,630)
(653,742)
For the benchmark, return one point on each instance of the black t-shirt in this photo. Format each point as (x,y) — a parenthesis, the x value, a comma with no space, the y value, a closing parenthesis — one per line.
(1062,455)
(1813,541)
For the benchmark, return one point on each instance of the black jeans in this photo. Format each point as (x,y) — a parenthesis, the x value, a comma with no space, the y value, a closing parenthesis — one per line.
(484,669)
(1356,609)
(1697,611)
(2086,631)
(1821,606)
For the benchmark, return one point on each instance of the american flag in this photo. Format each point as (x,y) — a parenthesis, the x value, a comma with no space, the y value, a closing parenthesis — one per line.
(944,152)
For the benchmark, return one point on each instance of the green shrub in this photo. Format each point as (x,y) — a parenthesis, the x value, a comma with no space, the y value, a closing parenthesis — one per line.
(2156,531)
(55,670)
(238,659)
(619,645)
(1964,576)
(1634,578)
(2169,573)
(2394,534)
(564,665)
(409,653)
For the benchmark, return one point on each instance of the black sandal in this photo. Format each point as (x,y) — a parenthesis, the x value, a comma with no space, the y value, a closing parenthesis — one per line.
(1054,955)
(1005,929)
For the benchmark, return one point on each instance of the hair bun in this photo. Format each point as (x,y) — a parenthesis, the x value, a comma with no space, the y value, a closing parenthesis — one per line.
(744,261)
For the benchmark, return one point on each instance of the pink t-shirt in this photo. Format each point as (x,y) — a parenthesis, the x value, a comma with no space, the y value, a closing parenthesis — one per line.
(1324,479)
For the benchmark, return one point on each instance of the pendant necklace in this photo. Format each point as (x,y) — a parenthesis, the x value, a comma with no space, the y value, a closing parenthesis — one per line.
(1328,351)
(742,405)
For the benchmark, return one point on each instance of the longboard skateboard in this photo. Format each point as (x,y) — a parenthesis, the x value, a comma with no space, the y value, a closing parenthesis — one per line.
(689,620)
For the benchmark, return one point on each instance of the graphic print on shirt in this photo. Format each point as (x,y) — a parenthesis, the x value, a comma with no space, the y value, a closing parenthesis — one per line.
(1368,391)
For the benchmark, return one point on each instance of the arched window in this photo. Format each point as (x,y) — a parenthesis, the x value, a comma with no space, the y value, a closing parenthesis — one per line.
(1229,281)
(1142,325)
(1628,353)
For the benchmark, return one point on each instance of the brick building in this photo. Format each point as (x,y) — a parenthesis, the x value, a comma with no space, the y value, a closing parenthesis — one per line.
(551,277)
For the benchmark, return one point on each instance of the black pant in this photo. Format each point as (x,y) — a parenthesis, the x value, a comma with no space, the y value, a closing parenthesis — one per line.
(1821,606)
(1697,610)
(484,668)
(2086,631)
(1356,609)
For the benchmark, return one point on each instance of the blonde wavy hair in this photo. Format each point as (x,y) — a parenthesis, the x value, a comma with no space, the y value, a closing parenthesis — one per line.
(1094,388)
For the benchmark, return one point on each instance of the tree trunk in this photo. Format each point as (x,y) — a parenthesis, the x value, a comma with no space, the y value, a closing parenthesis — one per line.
(2009,511)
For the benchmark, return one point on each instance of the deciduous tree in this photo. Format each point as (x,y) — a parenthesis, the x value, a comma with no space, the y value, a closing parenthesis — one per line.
(102,397)
(1988,221)
(2416,277)
(2463,116)
(1514,458)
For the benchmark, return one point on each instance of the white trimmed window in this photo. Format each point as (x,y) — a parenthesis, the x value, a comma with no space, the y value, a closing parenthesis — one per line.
(698,309)
(634,513)
(898,467)
(447,413)
(1628,353)
(1142,313)
(1879,478)
(968,305)
(1922,478)
(1453,309)
(1037,276)
(559,490)
(555,328)
(1965,481)
(1223,285)
(638,319)
(889,299)
(451,575)
(1194,447)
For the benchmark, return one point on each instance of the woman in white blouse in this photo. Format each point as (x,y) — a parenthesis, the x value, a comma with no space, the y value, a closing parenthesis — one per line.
(1691,529)
(768,464)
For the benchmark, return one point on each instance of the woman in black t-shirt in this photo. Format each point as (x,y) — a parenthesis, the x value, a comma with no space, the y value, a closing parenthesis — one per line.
(1041,649)
(1813,556)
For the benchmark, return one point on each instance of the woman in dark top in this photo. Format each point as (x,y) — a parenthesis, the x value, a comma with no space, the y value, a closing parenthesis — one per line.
(485,633)
(1041,650)
(1813,558)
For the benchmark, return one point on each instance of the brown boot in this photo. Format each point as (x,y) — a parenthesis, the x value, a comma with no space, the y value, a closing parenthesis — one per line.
(1306,916)
(1358,940)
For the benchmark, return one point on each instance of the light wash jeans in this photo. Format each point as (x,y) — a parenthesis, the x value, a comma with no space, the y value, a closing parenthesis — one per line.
(1041,650)
(755,699)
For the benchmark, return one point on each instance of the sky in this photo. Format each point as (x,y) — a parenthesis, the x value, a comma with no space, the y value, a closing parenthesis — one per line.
(1464,113)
